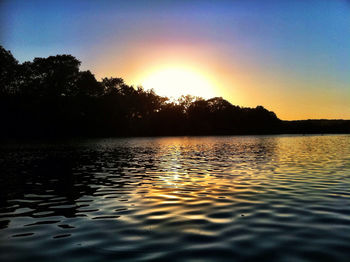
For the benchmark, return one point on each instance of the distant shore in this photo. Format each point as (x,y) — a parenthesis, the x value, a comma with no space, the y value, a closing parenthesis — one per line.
(296,127)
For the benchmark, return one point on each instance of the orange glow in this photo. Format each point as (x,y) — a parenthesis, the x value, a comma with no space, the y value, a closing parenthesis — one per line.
(179,69)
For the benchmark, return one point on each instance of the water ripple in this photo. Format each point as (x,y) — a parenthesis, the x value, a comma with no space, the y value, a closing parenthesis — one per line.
(268,198)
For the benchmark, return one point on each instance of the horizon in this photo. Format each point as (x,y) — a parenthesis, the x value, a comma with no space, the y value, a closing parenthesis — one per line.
(177,99)
(291,57)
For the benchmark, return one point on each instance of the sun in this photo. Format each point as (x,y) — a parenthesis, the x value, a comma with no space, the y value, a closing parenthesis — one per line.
(173,82)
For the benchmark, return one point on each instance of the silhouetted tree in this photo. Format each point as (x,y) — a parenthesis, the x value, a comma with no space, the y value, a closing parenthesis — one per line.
(8,72)
(55,75)
(112,85)
(185,101)
(87,85)
(52,97)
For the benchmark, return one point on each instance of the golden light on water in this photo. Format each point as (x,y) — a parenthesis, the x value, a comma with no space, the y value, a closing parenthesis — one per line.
(175,81)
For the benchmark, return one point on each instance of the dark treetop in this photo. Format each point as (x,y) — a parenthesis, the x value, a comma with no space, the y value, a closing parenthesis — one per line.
(52,97)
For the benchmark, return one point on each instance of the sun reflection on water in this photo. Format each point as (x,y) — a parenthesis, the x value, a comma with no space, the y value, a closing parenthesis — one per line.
(166,196)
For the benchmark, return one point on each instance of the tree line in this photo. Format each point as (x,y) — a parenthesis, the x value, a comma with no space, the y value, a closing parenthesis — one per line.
(52,97)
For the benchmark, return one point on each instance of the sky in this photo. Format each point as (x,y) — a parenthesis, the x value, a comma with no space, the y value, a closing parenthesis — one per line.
(290,56)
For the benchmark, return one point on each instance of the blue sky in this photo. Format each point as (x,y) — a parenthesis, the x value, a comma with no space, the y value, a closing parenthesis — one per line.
(286,55)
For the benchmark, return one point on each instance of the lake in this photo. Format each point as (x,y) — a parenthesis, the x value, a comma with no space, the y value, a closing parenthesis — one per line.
(234,198)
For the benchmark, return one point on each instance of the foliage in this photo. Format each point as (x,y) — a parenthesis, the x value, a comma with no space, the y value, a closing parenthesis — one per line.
(52,97)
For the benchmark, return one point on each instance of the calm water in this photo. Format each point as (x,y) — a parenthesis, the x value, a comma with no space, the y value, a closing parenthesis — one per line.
(272,198)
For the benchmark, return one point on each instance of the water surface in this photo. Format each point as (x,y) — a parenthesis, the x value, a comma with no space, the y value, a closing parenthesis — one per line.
(267,198)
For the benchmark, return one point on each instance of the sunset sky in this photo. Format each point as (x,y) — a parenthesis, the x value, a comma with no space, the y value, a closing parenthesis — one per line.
(292,56)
